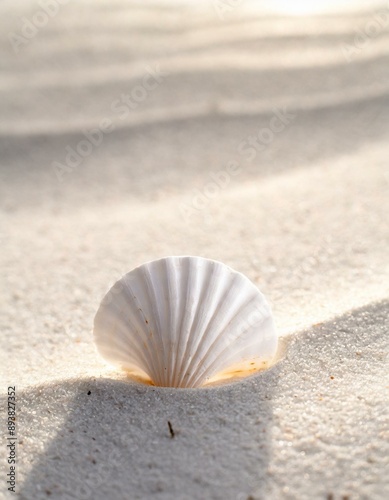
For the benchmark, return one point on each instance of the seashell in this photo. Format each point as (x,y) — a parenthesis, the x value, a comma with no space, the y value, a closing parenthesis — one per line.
(185,322)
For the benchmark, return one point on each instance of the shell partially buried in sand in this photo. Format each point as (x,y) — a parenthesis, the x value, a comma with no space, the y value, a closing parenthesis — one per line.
(185,322)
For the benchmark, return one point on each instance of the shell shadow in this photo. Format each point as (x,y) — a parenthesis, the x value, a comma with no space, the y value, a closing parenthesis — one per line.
(116,443)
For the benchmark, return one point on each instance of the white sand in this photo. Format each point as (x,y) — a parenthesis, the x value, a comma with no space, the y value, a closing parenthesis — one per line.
(305,220)
(312,426)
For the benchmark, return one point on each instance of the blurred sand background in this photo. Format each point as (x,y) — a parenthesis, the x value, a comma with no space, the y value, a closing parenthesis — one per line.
(304,217)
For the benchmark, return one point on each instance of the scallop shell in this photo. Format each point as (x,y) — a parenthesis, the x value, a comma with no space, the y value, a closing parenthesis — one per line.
(185,322)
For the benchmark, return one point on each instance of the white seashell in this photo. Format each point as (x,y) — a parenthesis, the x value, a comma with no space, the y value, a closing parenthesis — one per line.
(185,322)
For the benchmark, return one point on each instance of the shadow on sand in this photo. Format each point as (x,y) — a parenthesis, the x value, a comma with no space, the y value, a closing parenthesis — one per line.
(116,441)
(112,438)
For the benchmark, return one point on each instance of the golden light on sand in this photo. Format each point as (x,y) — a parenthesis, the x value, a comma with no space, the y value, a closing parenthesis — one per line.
(301,7)
(309,7)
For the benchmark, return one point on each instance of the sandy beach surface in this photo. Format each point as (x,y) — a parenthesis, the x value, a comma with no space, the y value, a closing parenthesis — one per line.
(135,130)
